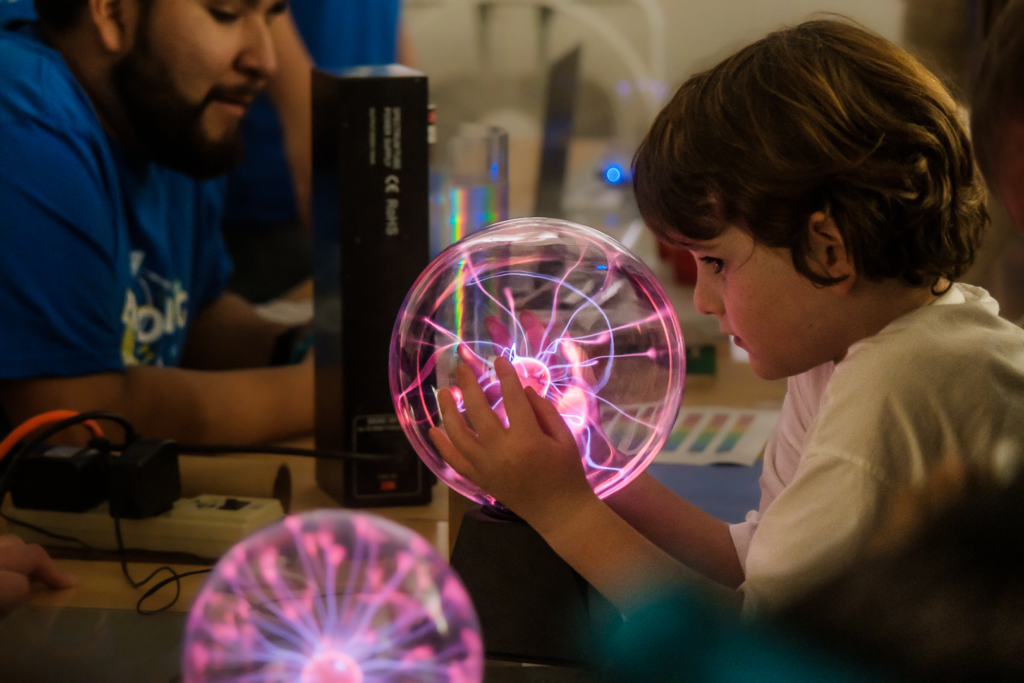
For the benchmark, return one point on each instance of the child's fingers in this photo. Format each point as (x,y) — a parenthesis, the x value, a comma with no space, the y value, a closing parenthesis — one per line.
(451,455)
(478,406)
(454,424)
(475,362)
(32,561)
(517,406)
(551,423)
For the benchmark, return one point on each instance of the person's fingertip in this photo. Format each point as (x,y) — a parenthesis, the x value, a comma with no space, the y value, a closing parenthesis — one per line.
(65,580)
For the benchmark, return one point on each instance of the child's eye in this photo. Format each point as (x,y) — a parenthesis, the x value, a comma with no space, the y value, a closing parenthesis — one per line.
(715,263)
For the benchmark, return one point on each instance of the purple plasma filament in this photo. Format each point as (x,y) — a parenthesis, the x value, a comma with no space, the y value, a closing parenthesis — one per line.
(333,597)
(583,321)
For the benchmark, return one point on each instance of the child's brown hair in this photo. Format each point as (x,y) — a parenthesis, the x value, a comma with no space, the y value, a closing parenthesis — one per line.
(826,116)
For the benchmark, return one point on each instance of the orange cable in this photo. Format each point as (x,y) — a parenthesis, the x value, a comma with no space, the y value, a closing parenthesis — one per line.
(34,423)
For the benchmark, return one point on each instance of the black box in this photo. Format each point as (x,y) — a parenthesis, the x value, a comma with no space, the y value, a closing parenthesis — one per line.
(61,478)
(371,240)
(145,479)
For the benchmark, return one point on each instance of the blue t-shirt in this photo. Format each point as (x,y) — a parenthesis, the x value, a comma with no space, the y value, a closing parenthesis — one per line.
(338,34)
(16,9)
(105,257)
(344,33)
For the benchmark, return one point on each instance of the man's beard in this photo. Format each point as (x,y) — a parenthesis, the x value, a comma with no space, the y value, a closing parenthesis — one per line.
(168,127)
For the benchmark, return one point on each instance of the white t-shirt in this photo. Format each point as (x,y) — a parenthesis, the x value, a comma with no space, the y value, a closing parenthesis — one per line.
(943,381)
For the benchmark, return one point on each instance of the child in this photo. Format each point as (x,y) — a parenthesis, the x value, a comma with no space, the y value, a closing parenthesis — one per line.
(825,183)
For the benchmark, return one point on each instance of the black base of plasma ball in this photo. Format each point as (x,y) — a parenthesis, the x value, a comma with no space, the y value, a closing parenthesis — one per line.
(533,606)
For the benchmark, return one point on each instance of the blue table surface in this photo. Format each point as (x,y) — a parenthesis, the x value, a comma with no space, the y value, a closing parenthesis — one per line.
(727,492)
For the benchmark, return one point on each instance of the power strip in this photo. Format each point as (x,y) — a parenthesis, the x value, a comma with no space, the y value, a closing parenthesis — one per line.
(206,526)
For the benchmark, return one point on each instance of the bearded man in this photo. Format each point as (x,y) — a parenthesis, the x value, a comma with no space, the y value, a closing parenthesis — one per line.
(116,117)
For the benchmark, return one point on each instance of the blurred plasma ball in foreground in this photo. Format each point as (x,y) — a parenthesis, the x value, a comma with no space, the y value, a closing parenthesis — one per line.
(333,596)
(583,321)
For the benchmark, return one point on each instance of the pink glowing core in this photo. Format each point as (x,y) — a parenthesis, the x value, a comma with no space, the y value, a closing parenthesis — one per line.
(332,667)
(332,596)
(582,320)
(534,374)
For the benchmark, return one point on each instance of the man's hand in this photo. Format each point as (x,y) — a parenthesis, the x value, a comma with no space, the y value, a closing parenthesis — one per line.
(532,466)
(20,564)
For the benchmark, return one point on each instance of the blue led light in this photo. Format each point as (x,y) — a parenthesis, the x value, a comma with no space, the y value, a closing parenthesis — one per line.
(613,174)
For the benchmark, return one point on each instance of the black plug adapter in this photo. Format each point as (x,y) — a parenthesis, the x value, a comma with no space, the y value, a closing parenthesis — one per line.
(145,479)
(61,478)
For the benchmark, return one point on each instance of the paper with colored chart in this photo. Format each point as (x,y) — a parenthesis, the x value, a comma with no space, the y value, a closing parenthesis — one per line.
(708,435)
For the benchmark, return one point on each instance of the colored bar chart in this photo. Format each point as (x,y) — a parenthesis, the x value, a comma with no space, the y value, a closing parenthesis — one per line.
(712,434)
(709,432)
(682,430)
(735,433)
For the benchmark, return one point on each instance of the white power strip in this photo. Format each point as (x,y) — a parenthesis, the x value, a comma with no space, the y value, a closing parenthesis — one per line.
(206,526)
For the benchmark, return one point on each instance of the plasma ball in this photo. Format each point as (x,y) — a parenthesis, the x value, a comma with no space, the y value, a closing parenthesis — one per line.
(332,667)
(582,320)
(332,596)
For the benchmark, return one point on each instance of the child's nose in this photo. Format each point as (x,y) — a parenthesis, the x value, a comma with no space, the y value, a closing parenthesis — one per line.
(705,299)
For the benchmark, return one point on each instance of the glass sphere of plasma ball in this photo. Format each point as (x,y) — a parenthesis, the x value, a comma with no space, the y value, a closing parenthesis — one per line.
(332,596)
(583,321)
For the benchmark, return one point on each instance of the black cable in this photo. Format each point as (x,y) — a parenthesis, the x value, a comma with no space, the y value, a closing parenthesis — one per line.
(218,449)
(124,560)
(44,532)
(71,539)
(174,578)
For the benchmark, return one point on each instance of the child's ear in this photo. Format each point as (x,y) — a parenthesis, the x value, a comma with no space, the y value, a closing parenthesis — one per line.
(827,254)
(115,22)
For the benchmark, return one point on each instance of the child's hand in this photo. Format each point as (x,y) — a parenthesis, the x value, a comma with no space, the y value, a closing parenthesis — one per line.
(19,565)
(536,342)
(532,467)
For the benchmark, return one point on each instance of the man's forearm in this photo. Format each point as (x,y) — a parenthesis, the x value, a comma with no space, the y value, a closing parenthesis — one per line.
(190,406)
(228,334)
(236,406)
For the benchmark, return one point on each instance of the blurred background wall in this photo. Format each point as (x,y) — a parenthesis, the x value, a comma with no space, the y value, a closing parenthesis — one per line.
(488,59)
